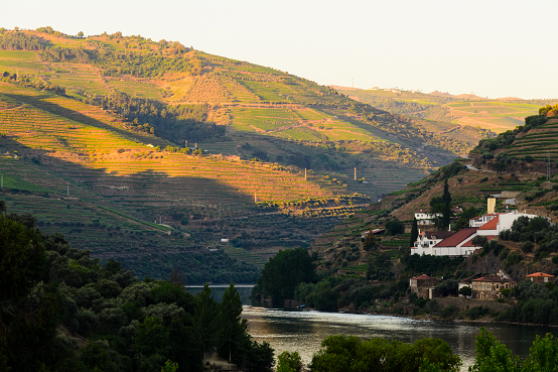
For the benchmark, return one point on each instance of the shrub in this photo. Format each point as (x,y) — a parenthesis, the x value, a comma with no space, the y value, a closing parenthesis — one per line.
(527,247)
(529,158)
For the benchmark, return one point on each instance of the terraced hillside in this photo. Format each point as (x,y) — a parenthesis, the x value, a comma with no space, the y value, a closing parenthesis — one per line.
(182,92)
(461,115)
(82,171)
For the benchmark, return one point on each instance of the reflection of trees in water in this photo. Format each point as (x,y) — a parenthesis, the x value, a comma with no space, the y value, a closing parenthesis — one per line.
(304,332)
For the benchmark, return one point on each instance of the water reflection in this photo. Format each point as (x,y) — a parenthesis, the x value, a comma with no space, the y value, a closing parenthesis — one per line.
(304,331)
(217,291)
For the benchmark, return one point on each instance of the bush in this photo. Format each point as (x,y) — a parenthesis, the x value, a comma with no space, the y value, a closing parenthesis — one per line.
(529,158)
(555,260)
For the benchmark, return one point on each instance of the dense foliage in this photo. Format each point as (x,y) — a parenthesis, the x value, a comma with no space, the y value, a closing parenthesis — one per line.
(282,274)
(351,354)
(18,41)
(61,311)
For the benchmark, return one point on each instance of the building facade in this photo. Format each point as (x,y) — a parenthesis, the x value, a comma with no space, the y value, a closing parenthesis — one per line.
(423,286)
(540,277)
(490,287)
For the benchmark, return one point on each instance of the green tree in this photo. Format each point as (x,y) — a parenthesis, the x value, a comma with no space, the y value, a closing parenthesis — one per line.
(284,272)
(446,213)
(493,356)
(151,344)
(205,320)
(395,227)
(289,362)
(80,34)
(370,243)
(170,366)
(232,326)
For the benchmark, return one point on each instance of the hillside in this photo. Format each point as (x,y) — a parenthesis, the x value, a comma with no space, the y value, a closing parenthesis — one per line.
(515,161)
(82,171)
(232,107)
(467,116)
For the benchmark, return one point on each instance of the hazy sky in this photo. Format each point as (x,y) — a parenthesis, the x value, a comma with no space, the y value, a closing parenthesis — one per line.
(494,48)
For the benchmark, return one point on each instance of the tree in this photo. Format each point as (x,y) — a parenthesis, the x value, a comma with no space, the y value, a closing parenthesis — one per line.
(395,227)
(289,362)
(446,213)
(80,34)
(414,233)
(465,291)
(232,326)
(151,344)
(205,316)
(370,242)
(493,356)
(284,272)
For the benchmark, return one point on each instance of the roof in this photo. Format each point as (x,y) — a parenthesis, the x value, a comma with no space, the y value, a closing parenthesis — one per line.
(493,278)
(439,234)
(424,277)
(470,242)
(491,225)
(540,273)
(457,238)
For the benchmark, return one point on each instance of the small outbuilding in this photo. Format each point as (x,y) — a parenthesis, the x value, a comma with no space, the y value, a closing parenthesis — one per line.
(423,286)
(540,277)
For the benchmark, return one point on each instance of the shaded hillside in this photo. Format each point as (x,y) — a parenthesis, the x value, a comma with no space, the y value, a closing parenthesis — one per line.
(85,172)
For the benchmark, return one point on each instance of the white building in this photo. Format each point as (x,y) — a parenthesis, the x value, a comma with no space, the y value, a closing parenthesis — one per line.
(427,239)
(495,223)
(425,217)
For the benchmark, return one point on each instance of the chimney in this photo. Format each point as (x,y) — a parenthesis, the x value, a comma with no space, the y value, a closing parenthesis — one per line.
(490,205)
(449,228)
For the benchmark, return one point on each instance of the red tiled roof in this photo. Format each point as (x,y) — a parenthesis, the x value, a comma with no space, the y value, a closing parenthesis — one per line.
(493,278)
(540,273)
(439,234)
(490,225)
(470,242)
(423,277)
(457,238)
(475,218)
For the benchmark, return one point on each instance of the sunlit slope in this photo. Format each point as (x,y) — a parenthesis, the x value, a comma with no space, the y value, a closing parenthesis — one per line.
(447,111)
(88,145)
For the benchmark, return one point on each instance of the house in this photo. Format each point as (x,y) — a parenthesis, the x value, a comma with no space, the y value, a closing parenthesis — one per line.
(490,287)
(498,221)
(540,277)
(427,239)
(423,286)
(424,217)
(454,244)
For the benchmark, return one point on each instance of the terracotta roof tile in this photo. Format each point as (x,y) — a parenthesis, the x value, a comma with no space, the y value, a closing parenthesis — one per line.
(490,225)
(457,238)
(540,273)
(423,276)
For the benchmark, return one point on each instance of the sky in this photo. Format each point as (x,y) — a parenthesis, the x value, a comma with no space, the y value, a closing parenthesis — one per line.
(492,48)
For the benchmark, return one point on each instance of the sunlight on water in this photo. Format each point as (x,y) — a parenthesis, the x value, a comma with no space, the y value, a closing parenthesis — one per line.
(304,331)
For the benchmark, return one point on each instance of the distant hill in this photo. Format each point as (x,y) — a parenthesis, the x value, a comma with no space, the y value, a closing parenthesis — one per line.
(456,111)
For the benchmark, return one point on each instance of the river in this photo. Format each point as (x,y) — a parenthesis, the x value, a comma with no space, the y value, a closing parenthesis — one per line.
(303,331)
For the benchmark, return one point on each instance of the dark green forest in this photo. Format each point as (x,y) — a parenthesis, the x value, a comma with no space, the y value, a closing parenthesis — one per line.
(60,310)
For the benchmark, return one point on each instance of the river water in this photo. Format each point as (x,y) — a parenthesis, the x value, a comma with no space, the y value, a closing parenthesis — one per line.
(303,331)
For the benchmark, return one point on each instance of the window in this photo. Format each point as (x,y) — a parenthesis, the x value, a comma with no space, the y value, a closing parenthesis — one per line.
(497,286)
(545,279)
(506,286)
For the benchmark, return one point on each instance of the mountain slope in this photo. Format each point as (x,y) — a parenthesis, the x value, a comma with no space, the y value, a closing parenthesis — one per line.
(175,89)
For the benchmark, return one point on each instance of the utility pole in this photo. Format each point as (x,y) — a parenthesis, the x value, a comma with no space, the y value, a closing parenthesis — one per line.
(185,143)
(305,174)
(355,173)
(160,220)
(255,197)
